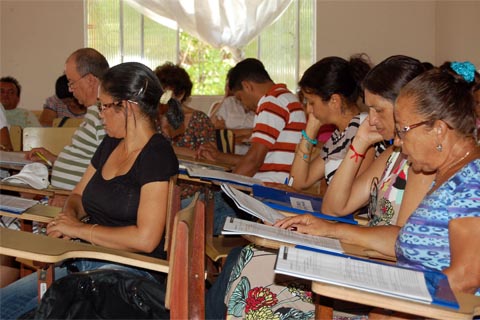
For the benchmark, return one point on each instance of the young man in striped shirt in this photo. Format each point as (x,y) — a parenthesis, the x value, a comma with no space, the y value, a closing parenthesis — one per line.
(278,124)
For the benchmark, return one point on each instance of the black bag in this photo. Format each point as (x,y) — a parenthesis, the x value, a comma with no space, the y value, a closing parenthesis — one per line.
(103,294)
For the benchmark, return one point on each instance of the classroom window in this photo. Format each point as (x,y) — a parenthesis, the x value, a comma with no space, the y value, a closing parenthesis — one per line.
(123,34)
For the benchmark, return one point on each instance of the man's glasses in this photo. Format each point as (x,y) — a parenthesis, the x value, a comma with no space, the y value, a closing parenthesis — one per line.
(103,106)
(402,132)
(72,83)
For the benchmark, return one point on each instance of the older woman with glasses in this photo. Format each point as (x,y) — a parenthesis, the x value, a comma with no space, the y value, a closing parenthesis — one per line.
(439,105)
(124,190)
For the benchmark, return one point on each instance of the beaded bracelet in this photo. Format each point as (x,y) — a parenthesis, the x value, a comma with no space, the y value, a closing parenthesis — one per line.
(355,155)
(310,140)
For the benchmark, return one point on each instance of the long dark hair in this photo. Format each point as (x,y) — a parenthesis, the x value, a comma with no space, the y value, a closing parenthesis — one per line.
(335,75)
(135,82)
(389,76)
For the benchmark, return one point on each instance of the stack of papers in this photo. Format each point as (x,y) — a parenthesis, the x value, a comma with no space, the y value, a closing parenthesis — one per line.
(217,175)
(13,158)
(239,227)
(364,275)
(15,204)
(251,205)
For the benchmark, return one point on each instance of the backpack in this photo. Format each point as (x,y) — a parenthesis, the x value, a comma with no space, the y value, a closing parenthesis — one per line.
(103,294)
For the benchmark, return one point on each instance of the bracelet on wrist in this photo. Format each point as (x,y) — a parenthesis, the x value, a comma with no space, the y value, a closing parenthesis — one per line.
(356,155)
(309,140)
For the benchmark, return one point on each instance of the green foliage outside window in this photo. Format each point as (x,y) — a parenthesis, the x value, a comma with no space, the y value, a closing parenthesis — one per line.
(123,34)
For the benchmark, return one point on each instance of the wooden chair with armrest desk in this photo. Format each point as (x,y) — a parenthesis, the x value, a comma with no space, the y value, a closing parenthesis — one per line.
(216,247)
(325,293)
(185,268)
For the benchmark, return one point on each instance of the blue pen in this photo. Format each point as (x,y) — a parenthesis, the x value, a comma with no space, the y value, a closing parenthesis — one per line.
(286,181)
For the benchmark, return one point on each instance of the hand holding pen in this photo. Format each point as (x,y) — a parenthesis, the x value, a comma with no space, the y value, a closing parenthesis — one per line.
(41,155)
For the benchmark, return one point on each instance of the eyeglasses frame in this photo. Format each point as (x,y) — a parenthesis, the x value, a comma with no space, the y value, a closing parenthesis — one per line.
(402,132)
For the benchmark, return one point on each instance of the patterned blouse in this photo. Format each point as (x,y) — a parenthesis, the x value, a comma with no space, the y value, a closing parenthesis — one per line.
(200,130)
(386,194)
(423,241)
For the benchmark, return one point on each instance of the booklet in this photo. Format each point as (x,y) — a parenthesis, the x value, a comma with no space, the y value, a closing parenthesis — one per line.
(217,175)
(15,204)
(239,226)
(251,205)
(361,274)
(295,202)
(184,164)
(265,211)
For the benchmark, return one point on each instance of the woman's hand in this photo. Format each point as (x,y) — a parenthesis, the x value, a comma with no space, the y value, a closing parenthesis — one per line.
(32,155)
(368,134)
(208,151)
(306,223)
(64,226)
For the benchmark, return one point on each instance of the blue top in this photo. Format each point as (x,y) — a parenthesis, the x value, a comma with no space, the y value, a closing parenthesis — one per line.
(423,241)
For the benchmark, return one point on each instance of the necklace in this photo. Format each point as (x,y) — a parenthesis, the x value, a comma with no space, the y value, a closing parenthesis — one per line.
(441,174)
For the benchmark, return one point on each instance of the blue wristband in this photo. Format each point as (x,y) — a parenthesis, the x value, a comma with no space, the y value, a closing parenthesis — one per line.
(312,141)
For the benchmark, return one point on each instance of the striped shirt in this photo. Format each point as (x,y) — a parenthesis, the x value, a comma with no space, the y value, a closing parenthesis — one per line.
(279,121)
(74,159)
(336,147)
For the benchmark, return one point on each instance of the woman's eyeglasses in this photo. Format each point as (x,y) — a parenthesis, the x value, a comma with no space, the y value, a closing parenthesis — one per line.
(103,106)
(402,132)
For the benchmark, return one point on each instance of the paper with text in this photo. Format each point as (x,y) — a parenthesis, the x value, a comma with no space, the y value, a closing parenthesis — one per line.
(251,205)
(353,273)
(239,226)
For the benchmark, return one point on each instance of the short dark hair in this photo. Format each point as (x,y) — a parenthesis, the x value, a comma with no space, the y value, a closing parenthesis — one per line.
(249,69)
(89,60)
(15,83)
(335,75)
(61,88)
(442,94)
(389,76)
(171,75)
(136,82)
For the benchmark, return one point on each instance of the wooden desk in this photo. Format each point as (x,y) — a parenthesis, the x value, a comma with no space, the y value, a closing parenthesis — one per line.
(38,213)
(469,304)
(52,250)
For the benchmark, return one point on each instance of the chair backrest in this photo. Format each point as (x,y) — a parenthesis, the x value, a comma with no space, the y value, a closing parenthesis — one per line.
(225,140)
(67,122)
(16,137)
(173,206)
(52,139)
(186,277)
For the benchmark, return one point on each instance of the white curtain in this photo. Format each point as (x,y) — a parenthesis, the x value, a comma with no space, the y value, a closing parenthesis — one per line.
(229,24)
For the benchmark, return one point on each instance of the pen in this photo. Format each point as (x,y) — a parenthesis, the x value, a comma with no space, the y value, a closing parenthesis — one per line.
(41,156)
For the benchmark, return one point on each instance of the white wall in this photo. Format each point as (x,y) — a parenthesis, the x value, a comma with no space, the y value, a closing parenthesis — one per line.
(36,36)
(377,28)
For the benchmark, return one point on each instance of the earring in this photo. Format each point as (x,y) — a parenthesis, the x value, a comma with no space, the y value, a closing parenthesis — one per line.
(439,147)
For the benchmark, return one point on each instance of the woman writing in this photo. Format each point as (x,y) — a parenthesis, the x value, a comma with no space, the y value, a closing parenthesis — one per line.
(124,190)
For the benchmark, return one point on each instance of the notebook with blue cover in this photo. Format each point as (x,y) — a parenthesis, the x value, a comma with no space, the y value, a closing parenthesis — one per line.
(294,202)
(428,287)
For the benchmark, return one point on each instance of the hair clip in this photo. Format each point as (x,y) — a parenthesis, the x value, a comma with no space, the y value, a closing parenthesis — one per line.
(465,69)
(166,96)
(142,89)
